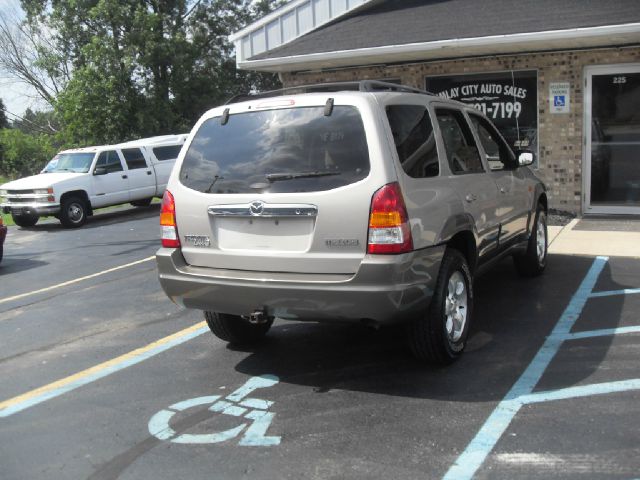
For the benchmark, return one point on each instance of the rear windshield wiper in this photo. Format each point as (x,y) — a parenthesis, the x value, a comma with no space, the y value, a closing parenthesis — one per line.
(274,177)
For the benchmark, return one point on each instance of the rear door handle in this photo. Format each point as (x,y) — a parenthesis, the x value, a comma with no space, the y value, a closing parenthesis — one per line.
(124,176)
(503,190)
(471,198)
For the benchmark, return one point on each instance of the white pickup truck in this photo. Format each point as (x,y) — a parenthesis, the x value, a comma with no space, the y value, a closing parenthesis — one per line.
(77,181)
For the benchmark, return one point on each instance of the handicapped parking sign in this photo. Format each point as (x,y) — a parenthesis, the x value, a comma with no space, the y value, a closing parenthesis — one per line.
(236,404)
(559,97)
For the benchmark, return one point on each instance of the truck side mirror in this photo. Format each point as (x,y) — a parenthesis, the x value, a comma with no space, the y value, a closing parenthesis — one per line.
(100,171)
(525,158)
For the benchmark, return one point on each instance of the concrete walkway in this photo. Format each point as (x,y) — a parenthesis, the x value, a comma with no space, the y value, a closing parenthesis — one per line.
(572,240)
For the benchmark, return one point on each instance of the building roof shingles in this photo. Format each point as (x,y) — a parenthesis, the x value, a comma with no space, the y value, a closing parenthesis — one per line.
(400,22)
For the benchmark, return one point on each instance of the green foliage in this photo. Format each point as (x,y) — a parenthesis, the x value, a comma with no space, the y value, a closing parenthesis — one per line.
(24,154)
(142,68)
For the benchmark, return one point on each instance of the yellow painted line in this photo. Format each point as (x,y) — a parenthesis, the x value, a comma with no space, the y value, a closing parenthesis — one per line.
(65,385)
(75,280)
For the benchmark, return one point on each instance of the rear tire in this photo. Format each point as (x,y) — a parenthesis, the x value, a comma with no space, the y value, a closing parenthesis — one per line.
(439,337)
(25,220)
(533,262)
(142,203)
(73,212)
(235,329)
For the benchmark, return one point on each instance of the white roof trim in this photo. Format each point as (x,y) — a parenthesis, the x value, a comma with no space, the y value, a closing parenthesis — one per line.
(264,20)
(291,21)
(570,38)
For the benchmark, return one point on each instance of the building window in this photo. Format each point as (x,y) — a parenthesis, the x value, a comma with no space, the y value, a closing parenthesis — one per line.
(509,99)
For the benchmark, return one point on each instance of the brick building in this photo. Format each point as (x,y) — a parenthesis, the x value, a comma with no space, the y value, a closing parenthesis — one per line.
(559,77)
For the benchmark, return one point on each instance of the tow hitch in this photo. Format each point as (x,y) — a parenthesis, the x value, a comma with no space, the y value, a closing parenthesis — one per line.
(258,317)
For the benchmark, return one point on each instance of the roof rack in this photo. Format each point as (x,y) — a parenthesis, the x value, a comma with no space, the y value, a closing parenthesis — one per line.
(361,86)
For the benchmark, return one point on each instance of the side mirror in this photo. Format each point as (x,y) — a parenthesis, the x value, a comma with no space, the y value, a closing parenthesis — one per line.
(100,171)
(525,158)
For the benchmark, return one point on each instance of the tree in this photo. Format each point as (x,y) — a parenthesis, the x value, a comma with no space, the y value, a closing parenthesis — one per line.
(28,55)
(24,154)
(143,67)
(4,122)
(36,122)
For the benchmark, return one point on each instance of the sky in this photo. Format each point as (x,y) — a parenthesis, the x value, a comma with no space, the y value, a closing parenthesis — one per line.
(17,96)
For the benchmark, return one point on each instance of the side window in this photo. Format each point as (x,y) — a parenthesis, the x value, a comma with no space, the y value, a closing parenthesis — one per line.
(461,149)
(415,140)
(134,158)
(170,152)
(499,155)
(110,160)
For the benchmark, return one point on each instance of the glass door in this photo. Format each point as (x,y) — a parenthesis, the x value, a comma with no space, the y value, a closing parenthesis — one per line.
(612,168)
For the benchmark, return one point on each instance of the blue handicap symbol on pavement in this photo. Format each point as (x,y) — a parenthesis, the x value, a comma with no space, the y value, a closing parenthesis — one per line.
(236,404)
(558,101)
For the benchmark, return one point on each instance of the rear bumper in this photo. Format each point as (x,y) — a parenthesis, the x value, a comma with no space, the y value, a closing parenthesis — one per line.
(386,289)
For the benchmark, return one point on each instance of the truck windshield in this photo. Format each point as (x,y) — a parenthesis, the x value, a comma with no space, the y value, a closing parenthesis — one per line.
(70,162)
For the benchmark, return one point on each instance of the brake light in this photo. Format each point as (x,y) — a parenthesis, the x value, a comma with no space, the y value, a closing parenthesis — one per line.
(168,222)
(389,230)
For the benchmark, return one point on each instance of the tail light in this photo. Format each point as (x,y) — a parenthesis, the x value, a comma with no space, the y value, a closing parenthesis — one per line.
(389,230)
(168,222)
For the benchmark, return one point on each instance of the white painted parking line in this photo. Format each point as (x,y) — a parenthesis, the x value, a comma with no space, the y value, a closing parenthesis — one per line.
(75,280)
(65,385)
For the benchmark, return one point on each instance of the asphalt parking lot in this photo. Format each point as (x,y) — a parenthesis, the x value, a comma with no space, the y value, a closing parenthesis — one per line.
(102,377)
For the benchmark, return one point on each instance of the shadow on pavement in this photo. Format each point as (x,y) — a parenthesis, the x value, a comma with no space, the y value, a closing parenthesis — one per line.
(101,219)
(513,317)
(15,264)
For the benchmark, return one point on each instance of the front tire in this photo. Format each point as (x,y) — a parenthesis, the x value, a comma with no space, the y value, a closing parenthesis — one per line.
(25,219)
(441,335)
(235,329)
(73,212)
(533,262)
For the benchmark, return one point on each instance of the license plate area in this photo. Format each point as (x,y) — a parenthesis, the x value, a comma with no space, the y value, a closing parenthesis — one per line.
(264,234)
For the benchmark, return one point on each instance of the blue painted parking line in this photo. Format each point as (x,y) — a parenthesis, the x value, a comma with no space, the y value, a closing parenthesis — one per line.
(521,393)
(97,372)
(611,293)
(605,332)
(485,440)
(581,391)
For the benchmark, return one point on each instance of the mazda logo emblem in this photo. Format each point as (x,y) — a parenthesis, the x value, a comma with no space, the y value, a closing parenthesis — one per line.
(256,208)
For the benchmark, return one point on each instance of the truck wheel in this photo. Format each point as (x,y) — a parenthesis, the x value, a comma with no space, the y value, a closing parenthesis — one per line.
(440,336)
(235,329)
(142,203)
(534,260)
(25,219)
(73,212)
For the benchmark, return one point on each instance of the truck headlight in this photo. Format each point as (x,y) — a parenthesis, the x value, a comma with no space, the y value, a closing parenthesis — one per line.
(46,191)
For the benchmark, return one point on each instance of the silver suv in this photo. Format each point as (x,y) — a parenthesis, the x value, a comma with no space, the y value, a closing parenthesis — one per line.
(359,202)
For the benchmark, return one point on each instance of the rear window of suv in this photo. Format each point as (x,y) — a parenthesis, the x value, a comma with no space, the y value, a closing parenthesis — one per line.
(285,150)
